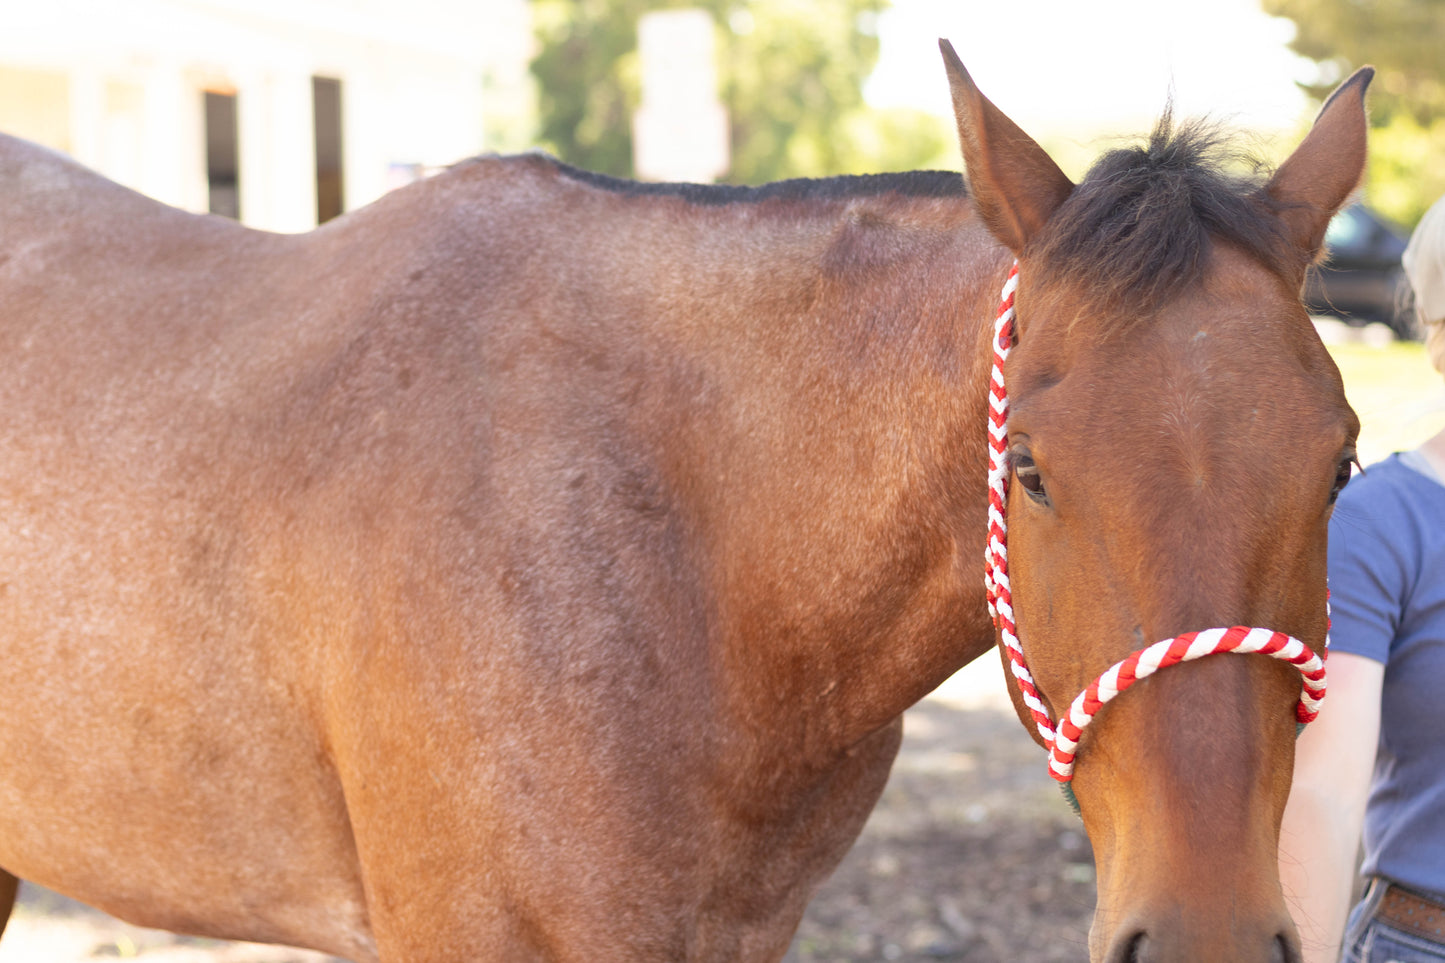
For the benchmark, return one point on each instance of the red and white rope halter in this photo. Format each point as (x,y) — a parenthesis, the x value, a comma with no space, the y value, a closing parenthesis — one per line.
(1063,741)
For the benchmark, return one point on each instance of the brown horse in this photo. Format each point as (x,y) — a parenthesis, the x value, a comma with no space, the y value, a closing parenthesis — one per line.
(535,566)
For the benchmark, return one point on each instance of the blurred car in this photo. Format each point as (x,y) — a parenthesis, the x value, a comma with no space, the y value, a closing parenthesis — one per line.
(1361,279)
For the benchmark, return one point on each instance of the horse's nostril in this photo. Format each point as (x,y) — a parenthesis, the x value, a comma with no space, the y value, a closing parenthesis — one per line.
(1286,950)
(1128,949)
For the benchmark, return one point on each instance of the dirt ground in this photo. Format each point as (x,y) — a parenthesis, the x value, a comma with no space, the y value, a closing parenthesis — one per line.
(971,856)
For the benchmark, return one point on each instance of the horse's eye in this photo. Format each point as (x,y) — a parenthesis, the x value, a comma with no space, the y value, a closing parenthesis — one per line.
(1342,475)
(1028,477)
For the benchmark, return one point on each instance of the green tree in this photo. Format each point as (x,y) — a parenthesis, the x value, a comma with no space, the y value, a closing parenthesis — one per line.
(790,72)
(587,79)
(1402,39)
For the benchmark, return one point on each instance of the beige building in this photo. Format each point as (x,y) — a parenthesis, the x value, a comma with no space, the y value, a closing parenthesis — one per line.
(280,112)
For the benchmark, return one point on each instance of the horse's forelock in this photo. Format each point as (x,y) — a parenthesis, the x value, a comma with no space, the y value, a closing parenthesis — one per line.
(1140,224)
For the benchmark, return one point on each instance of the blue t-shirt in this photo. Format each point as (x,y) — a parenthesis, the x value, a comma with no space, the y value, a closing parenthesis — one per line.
(1387,585)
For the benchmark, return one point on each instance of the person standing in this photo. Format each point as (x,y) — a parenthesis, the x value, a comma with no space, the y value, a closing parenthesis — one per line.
(1375,757)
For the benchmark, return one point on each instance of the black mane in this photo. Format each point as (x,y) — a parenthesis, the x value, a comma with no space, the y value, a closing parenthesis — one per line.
(1141,223)
(910,184)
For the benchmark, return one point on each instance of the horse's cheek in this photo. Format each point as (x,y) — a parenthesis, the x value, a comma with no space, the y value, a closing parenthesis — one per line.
(1044,595)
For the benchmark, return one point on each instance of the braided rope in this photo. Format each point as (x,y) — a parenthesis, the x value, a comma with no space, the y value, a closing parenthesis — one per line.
(1063,741)
(1000,595)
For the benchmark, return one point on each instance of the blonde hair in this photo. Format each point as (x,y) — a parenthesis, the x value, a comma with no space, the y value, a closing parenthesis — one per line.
(1424,262)
(1435,342)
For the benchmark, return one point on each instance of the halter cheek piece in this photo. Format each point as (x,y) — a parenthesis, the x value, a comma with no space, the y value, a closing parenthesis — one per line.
(1063,740)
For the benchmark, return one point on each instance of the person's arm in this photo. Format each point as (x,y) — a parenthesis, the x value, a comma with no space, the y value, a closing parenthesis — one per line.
(1319,840)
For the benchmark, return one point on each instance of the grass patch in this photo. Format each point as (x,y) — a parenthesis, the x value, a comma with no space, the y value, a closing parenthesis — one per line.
(1400,399)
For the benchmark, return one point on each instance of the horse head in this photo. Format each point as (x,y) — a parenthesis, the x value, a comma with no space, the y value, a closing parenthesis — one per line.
(1177,434)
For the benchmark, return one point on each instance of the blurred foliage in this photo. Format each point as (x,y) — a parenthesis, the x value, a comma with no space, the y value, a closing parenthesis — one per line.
(790,74)
(1407,168)
(1403,40)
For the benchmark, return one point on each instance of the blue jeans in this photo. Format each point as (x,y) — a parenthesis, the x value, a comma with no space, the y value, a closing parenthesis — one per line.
(1368,940)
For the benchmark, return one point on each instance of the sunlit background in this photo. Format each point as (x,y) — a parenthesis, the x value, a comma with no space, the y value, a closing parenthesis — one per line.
(286,112)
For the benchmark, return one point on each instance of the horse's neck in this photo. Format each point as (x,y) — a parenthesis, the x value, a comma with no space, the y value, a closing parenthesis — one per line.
(841,491)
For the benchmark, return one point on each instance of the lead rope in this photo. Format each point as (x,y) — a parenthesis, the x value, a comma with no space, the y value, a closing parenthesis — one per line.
(1063,740)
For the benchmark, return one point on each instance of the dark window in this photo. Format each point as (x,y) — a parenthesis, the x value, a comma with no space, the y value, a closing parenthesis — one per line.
(222,168)
(326,103)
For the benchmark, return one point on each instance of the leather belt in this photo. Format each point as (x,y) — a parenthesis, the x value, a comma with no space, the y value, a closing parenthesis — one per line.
(1412,913)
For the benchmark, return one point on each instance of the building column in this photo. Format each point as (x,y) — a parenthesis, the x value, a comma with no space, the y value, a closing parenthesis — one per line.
(87,116)
(173,145)
(277,151)
(363,153)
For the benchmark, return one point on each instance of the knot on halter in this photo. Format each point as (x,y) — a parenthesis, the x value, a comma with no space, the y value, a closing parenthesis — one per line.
(1063,740)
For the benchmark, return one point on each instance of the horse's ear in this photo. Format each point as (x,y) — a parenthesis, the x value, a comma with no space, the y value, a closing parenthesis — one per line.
(1016,185)
(1324,170)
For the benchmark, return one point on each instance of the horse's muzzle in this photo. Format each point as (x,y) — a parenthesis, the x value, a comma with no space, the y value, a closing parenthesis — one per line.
(1134,945)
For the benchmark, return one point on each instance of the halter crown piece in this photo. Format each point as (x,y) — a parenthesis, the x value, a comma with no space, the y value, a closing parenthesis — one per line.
(1063,740)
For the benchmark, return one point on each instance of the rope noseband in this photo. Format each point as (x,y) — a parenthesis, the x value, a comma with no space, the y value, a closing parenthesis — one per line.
(1063,740)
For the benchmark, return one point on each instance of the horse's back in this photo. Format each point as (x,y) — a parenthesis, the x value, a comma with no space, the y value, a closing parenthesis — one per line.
(59,218)
(41,185)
